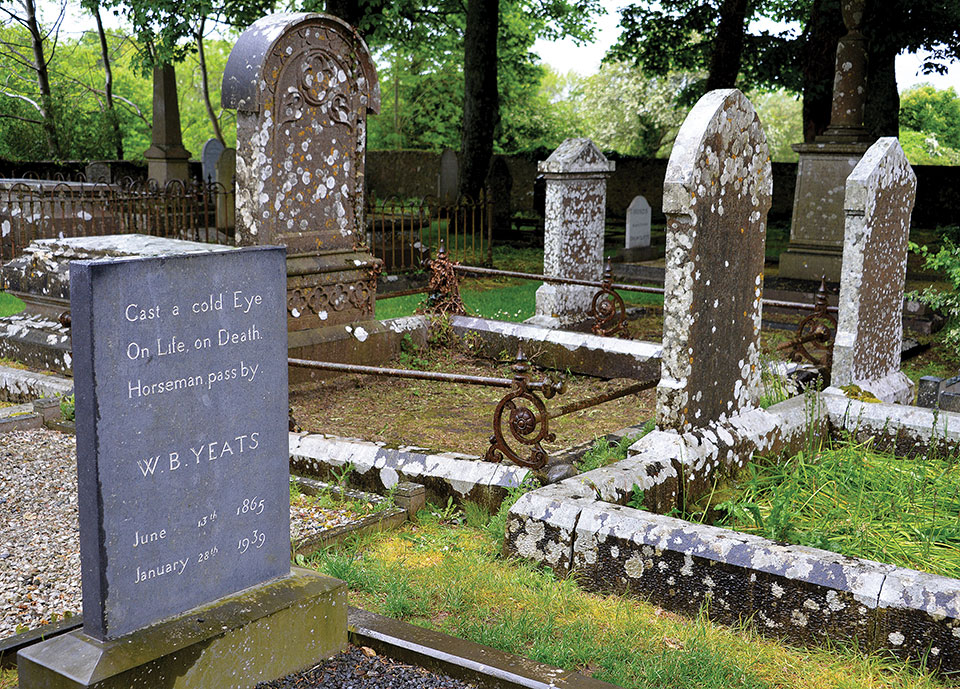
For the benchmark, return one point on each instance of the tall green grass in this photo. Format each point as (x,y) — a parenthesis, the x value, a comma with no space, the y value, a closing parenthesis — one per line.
(851,499)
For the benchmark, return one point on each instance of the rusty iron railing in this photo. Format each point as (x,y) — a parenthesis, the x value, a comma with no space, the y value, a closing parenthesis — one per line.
(813,342)
(609,312)
(521,422)
(37,209)
(401,231)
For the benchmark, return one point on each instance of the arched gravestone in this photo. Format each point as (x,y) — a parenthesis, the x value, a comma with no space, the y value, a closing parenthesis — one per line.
(880,194)
(302,85)
(209,155)
(716,195)
(447,177)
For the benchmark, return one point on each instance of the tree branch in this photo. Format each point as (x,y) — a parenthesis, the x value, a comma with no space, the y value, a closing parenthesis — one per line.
(23,98)
(4,116)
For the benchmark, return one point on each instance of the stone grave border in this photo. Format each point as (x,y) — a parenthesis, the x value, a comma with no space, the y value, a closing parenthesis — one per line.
(582,527)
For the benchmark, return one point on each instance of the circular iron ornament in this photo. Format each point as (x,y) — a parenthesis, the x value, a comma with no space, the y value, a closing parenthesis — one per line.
(607,309)
(815,335)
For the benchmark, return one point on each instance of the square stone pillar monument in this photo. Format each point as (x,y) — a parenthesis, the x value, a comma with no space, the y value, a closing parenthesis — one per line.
(576,205)
(302,85)
(816,231)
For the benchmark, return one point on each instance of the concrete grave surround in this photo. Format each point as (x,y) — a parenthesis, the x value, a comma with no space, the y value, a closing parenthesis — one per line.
(638,223)
(181,399)
(302,85)
(716,194)
(212,150)
(576,201)
(879,200)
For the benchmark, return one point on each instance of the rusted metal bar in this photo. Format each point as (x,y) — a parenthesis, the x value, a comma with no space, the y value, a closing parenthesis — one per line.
(605,397)
(800,306)
(815,333)
(413,374)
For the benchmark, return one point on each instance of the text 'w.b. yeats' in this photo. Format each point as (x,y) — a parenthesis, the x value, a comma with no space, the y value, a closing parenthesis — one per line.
(181,389)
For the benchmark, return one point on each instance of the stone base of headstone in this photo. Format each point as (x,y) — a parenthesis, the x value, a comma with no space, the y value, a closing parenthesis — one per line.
(165,169)
(559,306)
(257,635)
(895,388)
(816,230)
(330,289)
(639,253)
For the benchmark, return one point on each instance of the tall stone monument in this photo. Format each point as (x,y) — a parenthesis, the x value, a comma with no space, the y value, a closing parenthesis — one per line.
(302,85)
(183,492)
(816,231)
(167,159)
(574,216)
(716,194)
(879,199)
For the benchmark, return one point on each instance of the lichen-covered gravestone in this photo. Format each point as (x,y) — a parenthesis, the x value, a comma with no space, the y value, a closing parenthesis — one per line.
(302,85)
(574,213)
(879,200)
(716,195)
(181,404)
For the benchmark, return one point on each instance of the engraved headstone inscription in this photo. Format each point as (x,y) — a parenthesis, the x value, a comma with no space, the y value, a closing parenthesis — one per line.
(638,223)
(181,393)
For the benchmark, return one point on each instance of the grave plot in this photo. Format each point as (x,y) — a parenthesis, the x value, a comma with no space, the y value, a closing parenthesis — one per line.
(710,425)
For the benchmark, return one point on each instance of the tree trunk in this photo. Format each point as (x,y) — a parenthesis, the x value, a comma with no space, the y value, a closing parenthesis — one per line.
(881,115)
(43,80)
(348,10)
(108,85)
(728,45)
(819,53)
(205,85)
(481,101)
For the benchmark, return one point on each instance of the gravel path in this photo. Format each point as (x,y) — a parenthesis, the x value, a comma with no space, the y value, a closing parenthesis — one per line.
(40,537)
(362,668)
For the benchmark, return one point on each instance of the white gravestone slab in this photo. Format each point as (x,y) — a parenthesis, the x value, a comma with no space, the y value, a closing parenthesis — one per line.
(638,223)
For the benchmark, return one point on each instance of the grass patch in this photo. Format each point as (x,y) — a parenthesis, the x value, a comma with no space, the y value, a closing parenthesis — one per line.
(851,499)
(502,300)
(10,305)
(604,452)
(443,573)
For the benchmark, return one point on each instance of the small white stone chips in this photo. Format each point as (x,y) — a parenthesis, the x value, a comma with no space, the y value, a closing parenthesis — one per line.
(879,200)
(717,192)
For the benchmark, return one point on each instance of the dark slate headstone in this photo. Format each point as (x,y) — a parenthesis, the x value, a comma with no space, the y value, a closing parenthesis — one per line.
(209,156)
(447,178)
(181,391)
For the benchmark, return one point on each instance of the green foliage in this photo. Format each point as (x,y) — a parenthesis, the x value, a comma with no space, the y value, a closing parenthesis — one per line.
(497,525)
(68,408)
(780,111)
(926,109)
(604,452)
(947,301)
(924,148)
(9,305)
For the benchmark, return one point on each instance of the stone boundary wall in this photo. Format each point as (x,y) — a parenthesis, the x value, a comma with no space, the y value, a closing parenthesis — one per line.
(414,174)
(581,526)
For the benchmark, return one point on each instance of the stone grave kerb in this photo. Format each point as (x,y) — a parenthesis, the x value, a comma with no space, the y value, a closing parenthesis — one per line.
(717,191)
(575,177)
(880,195)
(303,85)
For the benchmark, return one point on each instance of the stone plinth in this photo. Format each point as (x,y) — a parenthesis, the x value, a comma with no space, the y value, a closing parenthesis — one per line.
(302,85)
(816,230)
(716,195)
(576,203)
(257,635)
(880,194)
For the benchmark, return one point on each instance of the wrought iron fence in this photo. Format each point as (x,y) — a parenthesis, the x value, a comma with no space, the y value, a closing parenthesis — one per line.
(36,209)
(401,231)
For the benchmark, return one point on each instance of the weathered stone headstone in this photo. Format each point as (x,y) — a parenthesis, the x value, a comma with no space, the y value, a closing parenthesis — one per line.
(447,177)
(498,187)
(574,214)
(716,195)
(167,159)
(638,223)
(302,85)
(181,405)
(879,200)
(209,155)
(226,173)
